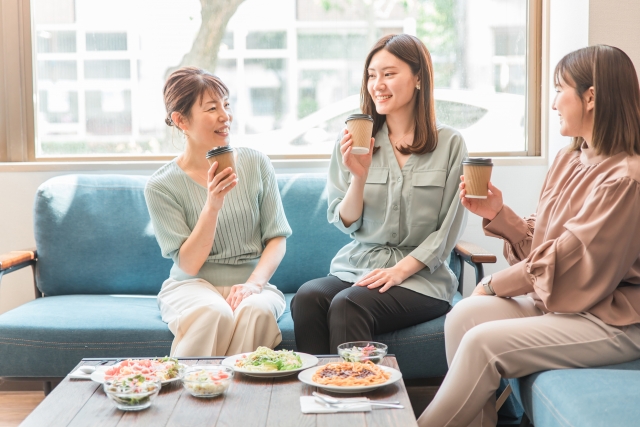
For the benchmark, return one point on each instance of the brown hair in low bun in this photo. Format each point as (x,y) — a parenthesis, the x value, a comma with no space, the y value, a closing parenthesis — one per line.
(187,85)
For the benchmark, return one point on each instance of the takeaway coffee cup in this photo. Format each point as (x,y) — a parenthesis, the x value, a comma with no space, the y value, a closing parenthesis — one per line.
(477,173)
(224,155)
(360,127)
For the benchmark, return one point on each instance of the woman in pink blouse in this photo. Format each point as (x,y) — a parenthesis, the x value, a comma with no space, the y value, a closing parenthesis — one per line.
(571,296)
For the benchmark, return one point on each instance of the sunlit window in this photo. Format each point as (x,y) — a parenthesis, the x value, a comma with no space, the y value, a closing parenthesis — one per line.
(293,67)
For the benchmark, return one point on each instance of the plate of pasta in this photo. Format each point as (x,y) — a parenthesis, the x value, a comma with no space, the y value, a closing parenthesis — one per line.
(267,363)
(350,377)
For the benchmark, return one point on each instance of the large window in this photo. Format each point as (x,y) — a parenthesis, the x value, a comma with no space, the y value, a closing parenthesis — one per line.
(294,69)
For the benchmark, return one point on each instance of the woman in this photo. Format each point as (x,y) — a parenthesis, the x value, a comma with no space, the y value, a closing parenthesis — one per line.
(576,260)
(398,203)
(226,233)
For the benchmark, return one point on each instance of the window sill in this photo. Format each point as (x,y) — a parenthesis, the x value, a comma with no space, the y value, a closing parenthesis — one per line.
(281,165)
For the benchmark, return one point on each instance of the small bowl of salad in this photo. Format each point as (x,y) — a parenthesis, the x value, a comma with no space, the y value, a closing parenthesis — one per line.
(132,393)
(207,380)
(362,351)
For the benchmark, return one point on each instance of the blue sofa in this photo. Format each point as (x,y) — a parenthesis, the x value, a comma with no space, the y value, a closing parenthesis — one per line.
(98,270)
(595,397)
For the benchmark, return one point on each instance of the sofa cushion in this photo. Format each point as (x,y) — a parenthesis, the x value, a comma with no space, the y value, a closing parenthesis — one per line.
(49,336)
(598,397)
(420,349)
(285,323)
(314,241)
(94,236)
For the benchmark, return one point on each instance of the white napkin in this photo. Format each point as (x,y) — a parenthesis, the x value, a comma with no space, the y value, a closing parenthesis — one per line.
(309,405)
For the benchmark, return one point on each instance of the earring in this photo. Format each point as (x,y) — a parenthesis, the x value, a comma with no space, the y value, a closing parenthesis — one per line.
(418,86)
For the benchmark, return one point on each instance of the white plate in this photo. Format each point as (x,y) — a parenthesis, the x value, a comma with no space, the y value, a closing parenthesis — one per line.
(305,377)
(98,374)
(307,362)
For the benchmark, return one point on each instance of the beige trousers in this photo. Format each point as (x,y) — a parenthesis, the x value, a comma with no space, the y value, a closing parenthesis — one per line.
(488,338)
(204,324)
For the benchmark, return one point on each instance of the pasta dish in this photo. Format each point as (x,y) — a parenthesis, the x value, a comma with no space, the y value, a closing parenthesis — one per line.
(346,374)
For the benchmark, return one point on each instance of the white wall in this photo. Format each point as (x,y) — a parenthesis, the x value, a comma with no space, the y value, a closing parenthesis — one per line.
(569,30)
(520,184)
(616,24)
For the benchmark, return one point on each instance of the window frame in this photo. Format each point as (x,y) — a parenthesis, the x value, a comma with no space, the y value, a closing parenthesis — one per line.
(18,106)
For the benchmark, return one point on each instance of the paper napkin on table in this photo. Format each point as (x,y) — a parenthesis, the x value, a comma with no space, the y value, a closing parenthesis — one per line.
(309,405)
(79,375)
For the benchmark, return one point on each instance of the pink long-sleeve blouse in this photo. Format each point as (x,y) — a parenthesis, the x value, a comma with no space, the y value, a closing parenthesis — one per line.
(583,241)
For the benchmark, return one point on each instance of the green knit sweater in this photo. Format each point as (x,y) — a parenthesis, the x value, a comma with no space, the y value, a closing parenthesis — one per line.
(251,215)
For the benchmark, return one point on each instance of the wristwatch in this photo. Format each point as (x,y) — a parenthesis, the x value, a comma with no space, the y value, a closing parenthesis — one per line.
(486,284)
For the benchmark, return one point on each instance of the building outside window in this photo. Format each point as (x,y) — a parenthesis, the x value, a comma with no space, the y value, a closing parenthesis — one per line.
(293,67)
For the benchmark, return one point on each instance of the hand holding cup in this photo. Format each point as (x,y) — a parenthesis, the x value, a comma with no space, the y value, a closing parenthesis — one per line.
(219,184)
(486,208)
(358,164)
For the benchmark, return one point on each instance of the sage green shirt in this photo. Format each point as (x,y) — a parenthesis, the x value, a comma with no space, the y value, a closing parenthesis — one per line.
(251,215)
(410,211)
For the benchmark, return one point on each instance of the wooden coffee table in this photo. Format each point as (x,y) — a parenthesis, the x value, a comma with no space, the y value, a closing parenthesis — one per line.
(249,402)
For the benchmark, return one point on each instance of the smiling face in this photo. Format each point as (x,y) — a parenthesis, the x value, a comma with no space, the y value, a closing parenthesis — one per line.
(575,112)
(209,122)
(391,84)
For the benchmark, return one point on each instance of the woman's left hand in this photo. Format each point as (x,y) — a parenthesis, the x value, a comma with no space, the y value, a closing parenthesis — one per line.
(479,291)
(240,292)
(385,277)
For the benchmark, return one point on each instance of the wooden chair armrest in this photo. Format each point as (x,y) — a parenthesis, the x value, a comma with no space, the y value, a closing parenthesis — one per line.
(474,253)
(14,258)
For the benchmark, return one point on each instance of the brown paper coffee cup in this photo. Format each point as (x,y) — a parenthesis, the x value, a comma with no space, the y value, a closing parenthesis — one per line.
(225,157)
(360,127)
(477,174)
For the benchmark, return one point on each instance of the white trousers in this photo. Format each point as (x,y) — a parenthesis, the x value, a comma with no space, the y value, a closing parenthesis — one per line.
(204,324)
(488,338)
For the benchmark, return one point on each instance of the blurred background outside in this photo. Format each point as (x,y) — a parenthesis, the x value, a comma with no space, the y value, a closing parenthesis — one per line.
(293,67)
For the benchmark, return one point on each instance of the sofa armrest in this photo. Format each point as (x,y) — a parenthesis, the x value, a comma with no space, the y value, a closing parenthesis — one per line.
(475,256)
(15,260)
(473,253)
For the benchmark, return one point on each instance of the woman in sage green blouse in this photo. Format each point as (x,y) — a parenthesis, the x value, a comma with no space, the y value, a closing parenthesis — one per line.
(399,204)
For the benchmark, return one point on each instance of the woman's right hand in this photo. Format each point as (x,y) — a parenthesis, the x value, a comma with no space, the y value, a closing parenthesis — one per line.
(486,208)
(219,185)
(358,164)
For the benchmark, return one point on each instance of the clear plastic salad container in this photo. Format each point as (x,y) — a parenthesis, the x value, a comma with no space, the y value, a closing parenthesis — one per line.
(362,351)
(132,393)
(207,380)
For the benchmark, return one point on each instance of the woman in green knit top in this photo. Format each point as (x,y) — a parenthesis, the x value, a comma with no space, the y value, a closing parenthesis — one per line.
(225,233)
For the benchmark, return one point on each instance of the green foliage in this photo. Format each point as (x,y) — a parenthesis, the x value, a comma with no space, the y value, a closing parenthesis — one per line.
(306,106)
(329,5)
(436,25)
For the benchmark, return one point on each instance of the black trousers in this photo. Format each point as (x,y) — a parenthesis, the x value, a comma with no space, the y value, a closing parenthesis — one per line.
(328,312)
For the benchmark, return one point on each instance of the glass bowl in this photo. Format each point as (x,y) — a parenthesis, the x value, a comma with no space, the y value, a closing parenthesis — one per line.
(362,351)
(132,393)
(207,380)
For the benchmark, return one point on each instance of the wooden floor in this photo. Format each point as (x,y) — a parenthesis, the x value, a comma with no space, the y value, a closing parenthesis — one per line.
(16,405)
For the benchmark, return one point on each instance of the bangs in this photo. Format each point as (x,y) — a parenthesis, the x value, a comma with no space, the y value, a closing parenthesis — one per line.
(212,85)
(560,72)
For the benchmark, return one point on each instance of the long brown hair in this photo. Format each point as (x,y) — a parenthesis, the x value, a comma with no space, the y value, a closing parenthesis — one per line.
(411,50)
(616,116)
(187,85)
